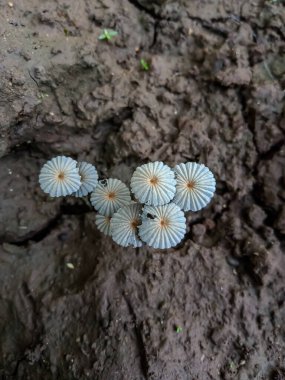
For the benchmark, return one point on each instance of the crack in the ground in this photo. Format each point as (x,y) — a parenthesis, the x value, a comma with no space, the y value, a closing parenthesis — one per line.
(149,11)
(33,322)
(38,236)
(153,15)
(268,155)
(35,236)
(207,24)
(155,34)
(18,362)
(249,115)
(78,208)
(140,343)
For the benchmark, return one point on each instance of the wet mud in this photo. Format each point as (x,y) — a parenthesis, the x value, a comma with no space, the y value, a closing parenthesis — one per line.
(74,305)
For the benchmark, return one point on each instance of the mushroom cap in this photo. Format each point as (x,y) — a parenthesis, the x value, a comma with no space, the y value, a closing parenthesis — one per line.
(195,187)
(109,195)
(153,183)
(124,225)
(103,224)
(60,177)
(89,179)
(162,226)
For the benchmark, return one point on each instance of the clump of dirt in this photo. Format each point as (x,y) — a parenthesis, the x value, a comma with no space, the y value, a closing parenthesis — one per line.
(74,305)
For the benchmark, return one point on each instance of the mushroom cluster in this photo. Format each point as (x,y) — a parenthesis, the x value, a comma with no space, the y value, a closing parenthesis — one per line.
(150,212)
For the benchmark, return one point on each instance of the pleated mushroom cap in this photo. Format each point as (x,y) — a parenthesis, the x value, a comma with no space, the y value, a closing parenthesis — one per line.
(103,224)
(124,225)
(195,186)
(109,195)
(60,177)
(153,183)
(89,179)
(162,226)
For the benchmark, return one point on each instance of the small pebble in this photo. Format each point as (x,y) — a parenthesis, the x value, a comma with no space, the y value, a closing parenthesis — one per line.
(232,261)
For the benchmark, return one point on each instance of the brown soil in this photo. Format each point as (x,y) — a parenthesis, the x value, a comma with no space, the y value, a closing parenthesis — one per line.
(73,305)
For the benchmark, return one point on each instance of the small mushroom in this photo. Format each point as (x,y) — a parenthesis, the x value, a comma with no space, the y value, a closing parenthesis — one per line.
(109,195)
(162,226)
(153,183)
(124,225)
(195,186)
(89,179)
(60,177)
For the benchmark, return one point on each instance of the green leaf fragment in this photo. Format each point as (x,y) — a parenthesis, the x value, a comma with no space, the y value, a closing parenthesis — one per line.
(144,64)
(107,34)
(112,33)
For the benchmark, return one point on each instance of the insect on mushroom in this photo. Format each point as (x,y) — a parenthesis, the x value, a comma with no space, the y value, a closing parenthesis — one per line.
(109,195)
(162,226)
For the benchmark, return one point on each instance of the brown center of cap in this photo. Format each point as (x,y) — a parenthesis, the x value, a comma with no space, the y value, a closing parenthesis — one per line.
(111,196)
(60,176)
(190,185)
(164,223)
(153,181)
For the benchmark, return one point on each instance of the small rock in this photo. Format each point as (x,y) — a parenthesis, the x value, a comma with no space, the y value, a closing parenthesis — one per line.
(256,216)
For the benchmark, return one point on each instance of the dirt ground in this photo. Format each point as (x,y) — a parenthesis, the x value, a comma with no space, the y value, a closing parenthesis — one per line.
(213,307)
